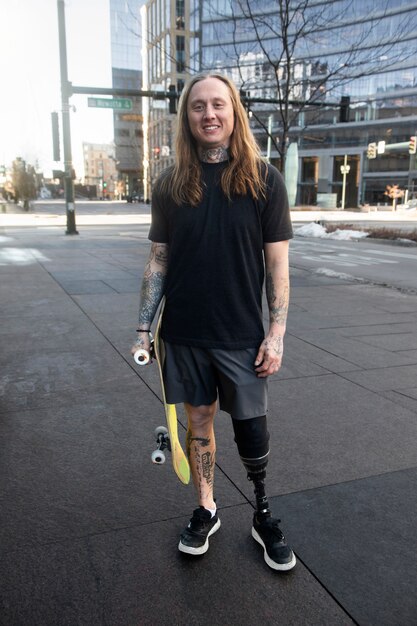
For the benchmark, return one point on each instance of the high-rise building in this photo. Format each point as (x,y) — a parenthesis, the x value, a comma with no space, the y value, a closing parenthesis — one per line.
(127,74)
(100,170)
(362,50)
(170,53)
(349,80)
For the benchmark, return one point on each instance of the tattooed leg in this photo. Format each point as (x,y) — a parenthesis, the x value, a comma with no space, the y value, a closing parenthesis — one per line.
(201,451)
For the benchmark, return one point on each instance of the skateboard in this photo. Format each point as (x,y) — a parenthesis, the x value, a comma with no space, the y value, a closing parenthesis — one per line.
(166,437)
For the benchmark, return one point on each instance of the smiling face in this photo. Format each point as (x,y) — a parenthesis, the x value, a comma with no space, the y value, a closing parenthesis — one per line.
(210,113)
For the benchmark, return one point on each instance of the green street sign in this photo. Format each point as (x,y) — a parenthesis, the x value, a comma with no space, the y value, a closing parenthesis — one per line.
(111,103)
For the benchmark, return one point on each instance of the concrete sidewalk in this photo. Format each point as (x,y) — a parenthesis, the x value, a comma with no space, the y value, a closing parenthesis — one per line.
(89,527)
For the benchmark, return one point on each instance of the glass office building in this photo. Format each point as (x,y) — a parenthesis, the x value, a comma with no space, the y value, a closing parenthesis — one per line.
(127,74)
(362,49)
(365,50)
(170,53)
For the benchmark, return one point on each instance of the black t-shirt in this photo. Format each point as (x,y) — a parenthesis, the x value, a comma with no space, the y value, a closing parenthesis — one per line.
(215,261)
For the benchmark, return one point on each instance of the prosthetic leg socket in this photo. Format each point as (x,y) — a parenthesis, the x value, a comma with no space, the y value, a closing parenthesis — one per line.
(252,439)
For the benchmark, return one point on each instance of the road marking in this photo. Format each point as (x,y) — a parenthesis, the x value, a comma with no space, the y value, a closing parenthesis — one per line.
(344,259)
(335,247)
(401,255)
(366,260)
(336,255)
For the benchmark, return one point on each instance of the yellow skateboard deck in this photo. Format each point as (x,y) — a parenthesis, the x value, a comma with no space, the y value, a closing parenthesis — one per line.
(179,459)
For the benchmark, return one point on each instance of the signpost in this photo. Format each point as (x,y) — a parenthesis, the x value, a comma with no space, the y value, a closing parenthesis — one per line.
(345,169)
(111,103)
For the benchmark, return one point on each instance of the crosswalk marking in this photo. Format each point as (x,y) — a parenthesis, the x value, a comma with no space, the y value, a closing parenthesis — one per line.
(400,255)
(343,255)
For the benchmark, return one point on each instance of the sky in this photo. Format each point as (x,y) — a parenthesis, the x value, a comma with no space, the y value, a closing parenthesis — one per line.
(30,77)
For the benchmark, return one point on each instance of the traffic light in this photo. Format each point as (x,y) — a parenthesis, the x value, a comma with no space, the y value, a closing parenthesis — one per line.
(344,109)
(172,99)
(244,96)
(371,151)
(104,185)
(412,146)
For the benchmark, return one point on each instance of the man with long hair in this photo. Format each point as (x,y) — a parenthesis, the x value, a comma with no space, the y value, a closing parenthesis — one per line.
(220,229)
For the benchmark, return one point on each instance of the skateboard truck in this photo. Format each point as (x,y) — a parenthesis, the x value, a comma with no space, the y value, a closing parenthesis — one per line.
(163,443)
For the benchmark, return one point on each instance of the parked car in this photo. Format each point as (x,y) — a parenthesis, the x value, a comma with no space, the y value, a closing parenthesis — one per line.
(135,197)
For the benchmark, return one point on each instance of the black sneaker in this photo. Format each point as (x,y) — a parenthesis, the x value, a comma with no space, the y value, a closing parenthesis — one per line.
(277,553)
(194,539)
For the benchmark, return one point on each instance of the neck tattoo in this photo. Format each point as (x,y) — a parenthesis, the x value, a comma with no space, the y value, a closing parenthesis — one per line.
(214,155)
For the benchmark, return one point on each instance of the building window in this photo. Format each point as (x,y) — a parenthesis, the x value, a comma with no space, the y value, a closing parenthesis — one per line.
(167,58)
(180,41)
(179,14)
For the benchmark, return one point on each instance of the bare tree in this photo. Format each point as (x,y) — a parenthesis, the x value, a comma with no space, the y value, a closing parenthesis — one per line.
(24,182)
(300,54)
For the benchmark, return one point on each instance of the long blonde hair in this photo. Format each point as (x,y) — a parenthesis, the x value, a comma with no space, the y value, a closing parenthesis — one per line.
(241,176)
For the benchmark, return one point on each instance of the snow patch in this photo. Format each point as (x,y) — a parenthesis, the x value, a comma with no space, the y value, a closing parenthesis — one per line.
(311,230)
(344,235)
(326,272)
(317,230)
(332,274)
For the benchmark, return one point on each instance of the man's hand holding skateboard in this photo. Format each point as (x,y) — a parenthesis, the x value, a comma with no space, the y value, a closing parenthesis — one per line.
(142,349)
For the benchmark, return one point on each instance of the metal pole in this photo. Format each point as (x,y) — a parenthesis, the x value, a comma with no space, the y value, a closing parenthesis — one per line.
(268,149)
(344,172)
(66,128)
(411,171)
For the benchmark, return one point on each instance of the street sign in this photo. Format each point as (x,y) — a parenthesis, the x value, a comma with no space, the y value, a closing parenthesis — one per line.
(381,147)
(372,151)
(111,103)
(130,117)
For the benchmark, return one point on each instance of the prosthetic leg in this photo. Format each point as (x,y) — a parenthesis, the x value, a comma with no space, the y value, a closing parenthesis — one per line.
(252,439)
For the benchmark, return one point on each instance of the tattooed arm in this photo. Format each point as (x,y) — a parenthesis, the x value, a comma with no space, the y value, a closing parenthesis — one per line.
(269,358)
(151,291)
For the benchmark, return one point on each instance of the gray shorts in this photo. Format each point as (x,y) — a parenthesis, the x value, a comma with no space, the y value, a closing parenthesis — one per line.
(198,376)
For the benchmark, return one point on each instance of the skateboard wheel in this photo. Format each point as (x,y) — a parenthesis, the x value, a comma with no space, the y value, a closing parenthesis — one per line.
(158,457)
(160,430)
(141,357)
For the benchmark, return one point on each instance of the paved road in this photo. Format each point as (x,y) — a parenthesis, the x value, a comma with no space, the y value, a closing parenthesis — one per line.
(375,262)
(43,212)
(365,260)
